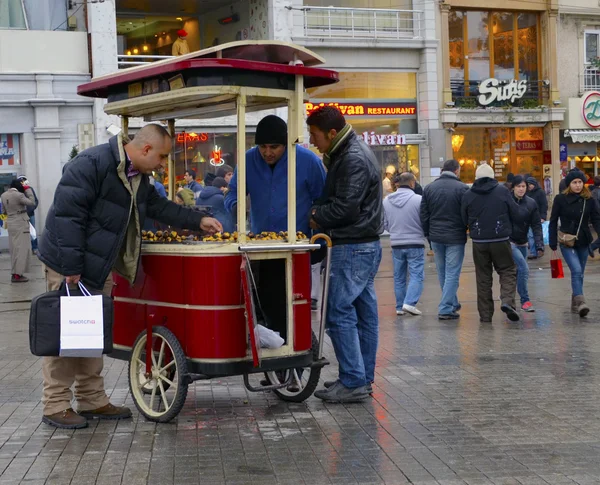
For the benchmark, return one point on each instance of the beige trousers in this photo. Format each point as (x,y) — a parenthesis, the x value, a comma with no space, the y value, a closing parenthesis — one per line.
(60,373)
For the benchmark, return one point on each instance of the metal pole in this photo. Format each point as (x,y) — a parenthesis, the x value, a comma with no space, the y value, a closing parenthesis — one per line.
(125,125)
(171,163)
(241,166)
(325,294)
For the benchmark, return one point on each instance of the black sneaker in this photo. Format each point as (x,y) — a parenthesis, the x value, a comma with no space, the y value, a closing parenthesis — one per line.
(448,316)
(511,313)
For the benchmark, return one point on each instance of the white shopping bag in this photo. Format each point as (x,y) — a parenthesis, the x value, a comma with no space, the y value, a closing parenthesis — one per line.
(81,325)
(32,232)
(268,338)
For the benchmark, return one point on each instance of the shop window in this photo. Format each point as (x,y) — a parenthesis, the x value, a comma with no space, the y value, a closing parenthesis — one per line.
(10,153)
(504,41)
(12,14)
(507,150)
(492,44)
(369,85)
(386,4)
(591,45)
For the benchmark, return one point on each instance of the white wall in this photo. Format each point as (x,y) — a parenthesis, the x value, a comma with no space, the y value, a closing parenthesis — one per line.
(43,51)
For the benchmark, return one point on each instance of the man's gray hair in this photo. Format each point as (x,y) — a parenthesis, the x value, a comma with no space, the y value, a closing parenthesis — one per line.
(405,179)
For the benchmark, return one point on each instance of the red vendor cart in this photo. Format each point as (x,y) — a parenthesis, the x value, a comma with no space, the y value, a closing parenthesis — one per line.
(174,327)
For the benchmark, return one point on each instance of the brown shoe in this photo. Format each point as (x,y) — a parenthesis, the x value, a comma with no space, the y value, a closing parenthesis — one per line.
(67,419)
(107,412)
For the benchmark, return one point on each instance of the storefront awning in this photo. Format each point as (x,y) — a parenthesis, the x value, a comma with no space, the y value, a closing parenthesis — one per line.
(583,136)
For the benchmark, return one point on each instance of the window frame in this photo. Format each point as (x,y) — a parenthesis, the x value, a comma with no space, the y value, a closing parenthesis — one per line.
(24,18)
(587,32)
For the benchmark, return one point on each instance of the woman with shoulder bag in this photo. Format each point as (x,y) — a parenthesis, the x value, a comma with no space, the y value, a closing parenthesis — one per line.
(576,209)
(14,204)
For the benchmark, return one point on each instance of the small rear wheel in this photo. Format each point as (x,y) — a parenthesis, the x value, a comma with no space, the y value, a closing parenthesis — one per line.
(304,379)
(160,395)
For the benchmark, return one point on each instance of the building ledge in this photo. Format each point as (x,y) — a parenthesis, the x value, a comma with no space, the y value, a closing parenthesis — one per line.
(502,116)
(367,43)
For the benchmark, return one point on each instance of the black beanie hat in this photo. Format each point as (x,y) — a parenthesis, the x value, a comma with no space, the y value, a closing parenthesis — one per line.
(575,174)
(271,130)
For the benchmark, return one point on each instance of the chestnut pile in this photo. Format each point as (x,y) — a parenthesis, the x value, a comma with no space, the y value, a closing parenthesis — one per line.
(263,236)
(167,237)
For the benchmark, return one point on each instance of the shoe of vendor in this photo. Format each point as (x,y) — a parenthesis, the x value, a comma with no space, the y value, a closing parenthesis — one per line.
(328,384)
(338,393)
(109,411)
(67,419)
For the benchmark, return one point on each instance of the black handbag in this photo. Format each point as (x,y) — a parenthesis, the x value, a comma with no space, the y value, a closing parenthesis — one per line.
(44,322)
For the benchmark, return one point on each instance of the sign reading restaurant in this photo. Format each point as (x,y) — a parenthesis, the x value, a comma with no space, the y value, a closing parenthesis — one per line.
(368,109)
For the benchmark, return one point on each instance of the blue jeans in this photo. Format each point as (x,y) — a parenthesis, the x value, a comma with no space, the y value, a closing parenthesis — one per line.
(576,259)
(34,242)
(352,320)
(520,257)
(409,265)
(448,261)
(531,240)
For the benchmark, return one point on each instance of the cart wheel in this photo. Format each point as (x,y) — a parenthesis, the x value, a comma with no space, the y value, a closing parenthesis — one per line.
(306,381)
(167,384)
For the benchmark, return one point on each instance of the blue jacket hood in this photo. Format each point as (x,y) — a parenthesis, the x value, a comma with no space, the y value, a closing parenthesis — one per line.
(208,192)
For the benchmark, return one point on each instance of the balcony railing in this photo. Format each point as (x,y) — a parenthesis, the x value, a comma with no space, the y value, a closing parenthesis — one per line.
(126,61)
(361,23)
(590,79)
(465,94)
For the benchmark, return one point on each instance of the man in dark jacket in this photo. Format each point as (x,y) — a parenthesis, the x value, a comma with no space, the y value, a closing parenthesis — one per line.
(535,192)
(444,227)
(93,228)
(488,210)
(350,211)
(526,220)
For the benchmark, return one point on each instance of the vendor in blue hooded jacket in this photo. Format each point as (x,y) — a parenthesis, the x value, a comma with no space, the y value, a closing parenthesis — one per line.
(267,182)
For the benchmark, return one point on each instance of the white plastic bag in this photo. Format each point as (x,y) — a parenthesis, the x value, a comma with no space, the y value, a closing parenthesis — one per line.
(268,339)
(81,325)
(32,231)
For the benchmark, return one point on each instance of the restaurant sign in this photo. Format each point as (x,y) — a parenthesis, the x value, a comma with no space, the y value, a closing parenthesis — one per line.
(591,110)
(385,139)
(368,109)
(494,90)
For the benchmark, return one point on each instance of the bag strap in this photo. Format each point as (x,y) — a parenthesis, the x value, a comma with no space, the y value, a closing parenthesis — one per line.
(83,289)
(581,220)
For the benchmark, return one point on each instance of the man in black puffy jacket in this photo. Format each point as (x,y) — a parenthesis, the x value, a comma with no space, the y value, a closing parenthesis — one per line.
(350,211)
(443,226)
(535,192)
(488,209)
(94,227)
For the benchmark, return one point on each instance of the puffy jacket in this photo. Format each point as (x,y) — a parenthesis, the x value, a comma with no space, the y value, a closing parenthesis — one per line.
(440,210)
(88,221)
(527,216)
(488,209)
(539,196)
(350,209)
(568,208)
(212,198)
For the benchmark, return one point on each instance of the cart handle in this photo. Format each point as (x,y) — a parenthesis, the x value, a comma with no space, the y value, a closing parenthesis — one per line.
(327,239)
(278,247)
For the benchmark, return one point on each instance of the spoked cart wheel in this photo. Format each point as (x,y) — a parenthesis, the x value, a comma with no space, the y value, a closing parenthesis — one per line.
(304,380)
(159,396)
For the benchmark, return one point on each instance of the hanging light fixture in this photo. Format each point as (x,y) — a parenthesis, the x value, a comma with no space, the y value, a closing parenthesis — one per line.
(586,159)
(145,46)
(457,141)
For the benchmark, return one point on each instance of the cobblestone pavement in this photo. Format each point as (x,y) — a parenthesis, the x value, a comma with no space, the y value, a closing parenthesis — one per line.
(454,403)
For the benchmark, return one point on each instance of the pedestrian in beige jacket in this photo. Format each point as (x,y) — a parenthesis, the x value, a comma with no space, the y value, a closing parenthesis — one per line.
(14,204)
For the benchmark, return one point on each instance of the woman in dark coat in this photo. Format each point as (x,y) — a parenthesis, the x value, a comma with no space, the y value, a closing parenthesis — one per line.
(576,209)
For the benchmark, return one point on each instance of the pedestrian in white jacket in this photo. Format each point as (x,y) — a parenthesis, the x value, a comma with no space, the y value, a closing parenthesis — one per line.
(402,220)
